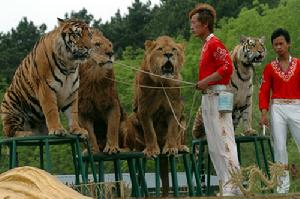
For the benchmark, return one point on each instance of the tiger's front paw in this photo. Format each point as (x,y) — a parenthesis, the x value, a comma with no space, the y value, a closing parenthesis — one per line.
(111,149)
(250,132)
(183,148)
(82,133)
(151,151)
(58,131)
(23,133)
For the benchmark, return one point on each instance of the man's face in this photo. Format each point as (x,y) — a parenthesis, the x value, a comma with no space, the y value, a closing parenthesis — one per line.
(197,28)
(280,46)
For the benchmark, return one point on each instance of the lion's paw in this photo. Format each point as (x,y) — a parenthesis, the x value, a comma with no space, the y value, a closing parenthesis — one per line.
(111,149)
(82,133)
(152,152)
(170,150)
(58,131)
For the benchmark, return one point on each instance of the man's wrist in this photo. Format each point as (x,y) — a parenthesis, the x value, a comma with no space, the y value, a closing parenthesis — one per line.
(264,112)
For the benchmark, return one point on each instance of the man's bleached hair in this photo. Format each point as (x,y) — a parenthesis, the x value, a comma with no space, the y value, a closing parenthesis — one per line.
(206,14)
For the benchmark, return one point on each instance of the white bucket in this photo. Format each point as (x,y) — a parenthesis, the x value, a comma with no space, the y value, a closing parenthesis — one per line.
(225,102)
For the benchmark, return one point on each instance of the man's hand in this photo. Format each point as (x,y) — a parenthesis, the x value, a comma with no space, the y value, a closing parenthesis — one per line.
(202,85)
(264,118)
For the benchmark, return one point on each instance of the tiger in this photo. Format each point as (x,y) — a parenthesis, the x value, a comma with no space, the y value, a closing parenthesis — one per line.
(47,82)
(249,52)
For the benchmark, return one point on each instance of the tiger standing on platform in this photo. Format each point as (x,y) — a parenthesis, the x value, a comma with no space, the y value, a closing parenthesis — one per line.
(281,77)
(215,70)
(46,82)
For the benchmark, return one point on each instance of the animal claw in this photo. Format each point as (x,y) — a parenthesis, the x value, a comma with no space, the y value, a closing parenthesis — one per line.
(151,152)
(82,133)
(58,132)
(170,151)
(111,149)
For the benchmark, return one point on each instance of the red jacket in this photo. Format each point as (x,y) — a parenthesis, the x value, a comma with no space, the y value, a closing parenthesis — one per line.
(215,57)
(284,85)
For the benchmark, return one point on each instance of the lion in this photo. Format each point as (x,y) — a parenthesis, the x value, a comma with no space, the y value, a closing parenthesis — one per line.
(157,124)
(99,106)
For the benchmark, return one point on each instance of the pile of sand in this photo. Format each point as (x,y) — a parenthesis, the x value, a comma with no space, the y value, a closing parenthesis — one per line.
(33,183)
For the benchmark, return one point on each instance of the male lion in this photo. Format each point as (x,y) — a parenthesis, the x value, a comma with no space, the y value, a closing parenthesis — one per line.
(159,110)
(157,122)
(99,106)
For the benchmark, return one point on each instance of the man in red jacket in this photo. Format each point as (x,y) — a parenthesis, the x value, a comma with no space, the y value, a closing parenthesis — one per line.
(282,77)
(215,69)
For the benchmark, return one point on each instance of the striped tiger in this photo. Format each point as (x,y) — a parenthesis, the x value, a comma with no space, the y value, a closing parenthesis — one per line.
(250,52)
(47,82)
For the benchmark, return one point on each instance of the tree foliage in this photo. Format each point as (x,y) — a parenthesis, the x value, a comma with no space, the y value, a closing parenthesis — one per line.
(16,44)
(84,16)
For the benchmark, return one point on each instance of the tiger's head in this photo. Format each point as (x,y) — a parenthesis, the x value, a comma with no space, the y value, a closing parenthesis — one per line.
(102,51)
(76,38)
(253,50)
(163,57)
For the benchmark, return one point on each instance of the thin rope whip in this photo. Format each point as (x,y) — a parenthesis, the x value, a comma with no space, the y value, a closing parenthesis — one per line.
(155,75)
(191,109)
(170,104)
(143,86)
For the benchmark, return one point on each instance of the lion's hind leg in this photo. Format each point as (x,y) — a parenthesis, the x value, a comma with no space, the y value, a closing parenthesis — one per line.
(151,146)
(113,127)
(89,125)
(174,134)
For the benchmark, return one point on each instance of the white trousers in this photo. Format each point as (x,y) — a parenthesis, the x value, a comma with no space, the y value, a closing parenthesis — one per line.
(284,116)
(220,138)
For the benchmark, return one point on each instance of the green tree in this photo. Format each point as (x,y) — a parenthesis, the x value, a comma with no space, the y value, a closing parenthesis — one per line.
(84,16)
(171,18)
(129,30)
(138,17)
(114,30)
(16,44)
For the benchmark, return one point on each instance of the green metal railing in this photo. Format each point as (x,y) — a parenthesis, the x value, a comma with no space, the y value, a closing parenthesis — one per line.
(198,166)
(44,143)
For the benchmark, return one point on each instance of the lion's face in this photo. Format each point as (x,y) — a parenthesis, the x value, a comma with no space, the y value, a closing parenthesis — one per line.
(102,51)
(253,50)
(164,57)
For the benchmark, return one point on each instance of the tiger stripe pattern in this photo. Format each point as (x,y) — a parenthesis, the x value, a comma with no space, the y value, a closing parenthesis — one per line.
(245,56)
(47,82)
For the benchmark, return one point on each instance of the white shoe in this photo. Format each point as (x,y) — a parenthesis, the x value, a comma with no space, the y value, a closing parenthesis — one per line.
(226,194)
(235,192)
(284,183)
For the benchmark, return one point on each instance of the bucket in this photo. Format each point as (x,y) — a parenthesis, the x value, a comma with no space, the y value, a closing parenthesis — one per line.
(225,102)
